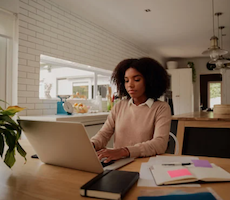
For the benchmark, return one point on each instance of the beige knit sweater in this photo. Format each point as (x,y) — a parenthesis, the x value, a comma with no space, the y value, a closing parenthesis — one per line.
(143,130)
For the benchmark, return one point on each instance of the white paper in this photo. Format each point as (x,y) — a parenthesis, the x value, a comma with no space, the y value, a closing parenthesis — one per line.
(171,159)
(146,179)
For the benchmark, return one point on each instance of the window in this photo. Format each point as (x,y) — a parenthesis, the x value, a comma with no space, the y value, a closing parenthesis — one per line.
(102,84)
(214,90)
(205,80)
(83,87)
(61,77)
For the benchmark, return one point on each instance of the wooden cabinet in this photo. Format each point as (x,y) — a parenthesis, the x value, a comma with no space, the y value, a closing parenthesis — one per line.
(182,90)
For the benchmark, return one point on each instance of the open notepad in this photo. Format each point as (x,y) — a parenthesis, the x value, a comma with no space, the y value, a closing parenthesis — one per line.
(165,175)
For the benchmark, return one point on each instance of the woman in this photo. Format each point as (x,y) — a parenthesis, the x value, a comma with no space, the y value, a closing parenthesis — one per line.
(140,123)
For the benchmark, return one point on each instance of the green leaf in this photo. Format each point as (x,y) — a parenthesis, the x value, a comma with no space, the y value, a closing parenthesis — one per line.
(11,110)
(9,121)
(2,144)
(8,126)
(10,132)
(2,130)
(21,151)
(1,121)
(10,139)
(12,129)
(9,158)
(4,101)
(18,135)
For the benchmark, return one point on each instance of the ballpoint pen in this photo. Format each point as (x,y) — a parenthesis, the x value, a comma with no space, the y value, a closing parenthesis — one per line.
(174,164)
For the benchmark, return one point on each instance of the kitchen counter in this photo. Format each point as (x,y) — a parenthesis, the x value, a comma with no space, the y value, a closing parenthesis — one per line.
(92,121)
(85,118)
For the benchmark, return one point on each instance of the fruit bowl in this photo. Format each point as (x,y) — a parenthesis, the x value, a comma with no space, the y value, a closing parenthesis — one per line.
(80,108)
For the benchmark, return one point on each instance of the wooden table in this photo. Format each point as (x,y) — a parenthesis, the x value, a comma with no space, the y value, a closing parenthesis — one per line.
(37,181)
(199,119)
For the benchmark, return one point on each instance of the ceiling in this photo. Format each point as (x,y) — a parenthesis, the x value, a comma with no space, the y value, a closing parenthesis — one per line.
(173,28)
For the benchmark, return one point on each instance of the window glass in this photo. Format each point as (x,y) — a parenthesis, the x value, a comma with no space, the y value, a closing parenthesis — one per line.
(103,82)
(60,77)
(214,93)
(83,87)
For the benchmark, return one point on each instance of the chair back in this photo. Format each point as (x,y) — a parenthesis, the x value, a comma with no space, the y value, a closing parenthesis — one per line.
(176,151)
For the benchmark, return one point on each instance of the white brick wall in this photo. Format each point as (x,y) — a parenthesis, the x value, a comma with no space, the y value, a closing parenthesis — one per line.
(45,28)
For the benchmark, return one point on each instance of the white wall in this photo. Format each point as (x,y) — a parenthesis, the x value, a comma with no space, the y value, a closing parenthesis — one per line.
(158,57)
(45,28)
(200,65)
(9,5)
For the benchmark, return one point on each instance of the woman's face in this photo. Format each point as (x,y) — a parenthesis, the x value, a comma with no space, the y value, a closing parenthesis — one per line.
(135,84)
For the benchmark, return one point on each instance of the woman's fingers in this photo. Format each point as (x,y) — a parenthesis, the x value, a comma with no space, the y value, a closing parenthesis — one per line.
(110,154)
(107,160)
(105,153)
(101,151)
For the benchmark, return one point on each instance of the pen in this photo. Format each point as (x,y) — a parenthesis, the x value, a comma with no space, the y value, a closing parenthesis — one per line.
(174,164)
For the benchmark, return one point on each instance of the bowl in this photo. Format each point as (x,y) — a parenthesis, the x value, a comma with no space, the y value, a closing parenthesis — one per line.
(172,64)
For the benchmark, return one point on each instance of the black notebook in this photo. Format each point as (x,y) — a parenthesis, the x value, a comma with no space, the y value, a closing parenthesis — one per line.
(110,184)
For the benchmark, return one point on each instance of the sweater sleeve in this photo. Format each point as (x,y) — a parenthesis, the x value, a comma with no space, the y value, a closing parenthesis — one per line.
(103,136)
(158,144)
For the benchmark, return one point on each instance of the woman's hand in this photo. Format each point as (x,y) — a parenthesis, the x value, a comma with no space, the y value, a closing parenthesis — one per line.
(112,154)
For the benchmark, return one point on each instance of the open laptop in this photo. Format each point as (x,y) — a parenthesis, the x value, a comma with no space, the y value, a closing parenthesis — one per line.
(65,144)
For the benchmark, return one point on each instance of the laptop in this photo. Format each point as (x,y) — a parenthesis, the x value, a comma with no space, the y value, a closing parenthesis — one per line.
(65,144)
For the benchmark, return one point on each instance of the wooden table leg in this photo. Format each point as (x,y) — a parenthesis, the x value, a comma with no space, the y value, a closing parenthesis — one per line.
(180,135)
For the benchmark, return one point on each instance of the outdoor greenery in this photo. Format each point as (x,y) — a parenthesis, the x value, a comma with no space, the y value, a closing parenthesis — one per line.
(10,132)
(215,90)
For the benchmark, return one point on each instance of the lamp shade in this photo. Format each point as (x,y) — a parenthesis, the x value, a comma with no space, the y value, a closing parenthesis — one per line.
(214,51)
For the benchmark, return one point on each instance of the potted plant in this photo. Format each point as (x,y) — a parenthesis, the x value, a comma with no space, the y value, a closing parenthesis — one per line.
(10,132)
(191,65)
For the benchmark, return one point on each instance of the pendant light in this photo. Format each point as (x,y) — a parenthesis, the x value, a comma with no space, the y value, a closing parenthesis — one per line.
(214,51)
(222,62)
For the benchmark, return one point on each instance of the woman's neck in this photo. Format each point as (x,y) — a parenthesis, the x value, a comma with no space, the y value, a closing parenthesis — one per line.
(138,101)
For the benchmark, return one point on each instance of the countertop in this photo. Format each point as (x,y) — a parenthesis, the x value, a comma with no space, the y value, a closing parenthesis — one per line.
(85,118)
(201,116)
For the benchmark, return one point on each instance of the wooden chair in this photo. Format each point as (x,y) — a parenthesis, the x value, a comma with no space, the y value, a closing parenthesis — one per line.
(176,150)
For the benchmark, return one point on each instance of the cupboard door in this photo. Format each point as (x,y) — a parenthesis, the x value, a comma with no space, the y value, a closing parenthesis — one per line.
(175,87)
(186,91)
(182,90)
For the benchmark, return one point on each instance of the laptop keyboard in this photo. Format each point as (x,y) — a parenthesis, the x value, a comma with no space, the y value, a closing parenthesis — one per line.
(106,164)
